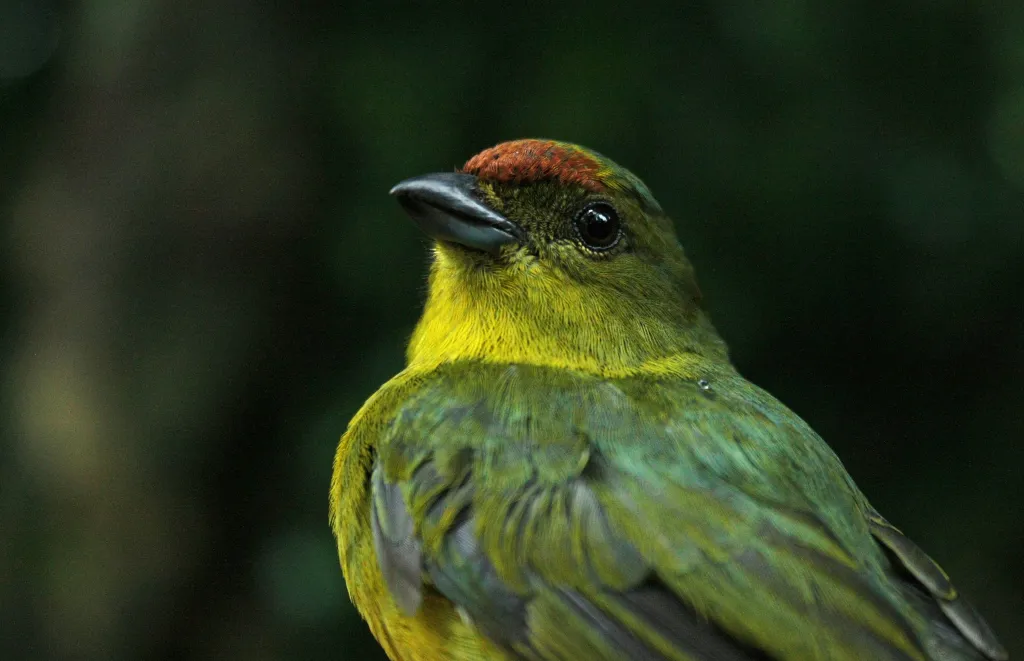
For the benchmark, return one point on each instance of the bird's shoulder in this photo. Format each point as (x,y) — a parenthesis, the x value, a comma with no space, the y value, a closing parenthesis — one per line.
(651,516)
(707,426)
(656,504)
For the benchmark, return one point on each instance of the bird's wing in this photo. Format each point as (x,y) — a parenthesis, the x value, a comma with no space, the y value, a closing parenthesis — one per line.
(958,629)
(572,518)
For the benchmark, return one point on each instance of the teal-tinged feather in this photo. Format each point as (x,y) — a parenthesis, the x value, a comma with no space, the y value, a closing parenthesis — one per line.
(554,508)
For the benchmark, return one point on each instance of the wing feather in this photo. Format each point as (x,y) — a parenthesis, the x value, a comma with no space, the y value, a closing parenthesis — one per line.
(569,517)
(930,576)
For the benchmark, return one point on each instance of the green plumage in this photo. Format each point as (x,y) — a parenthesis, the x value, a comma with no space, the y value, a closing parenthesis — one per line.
(569,468)
(547,501)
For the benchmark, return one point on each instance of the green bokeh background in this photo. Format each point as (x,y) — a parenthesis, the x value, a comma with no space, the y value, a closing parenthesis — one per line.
(203,276)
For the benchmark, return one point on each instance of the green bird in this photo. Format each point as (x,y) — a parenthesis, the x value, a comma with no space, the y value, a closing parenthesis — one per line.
(570,468)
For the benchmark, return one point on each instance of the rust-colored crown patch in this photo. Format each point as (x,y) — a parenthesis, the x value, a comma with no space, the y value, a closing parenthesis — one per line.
(526,161)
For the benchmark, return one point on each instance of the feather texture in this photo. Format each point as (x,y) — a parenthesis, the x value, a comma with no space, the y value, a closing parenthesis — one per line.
(569,467)
(566,516)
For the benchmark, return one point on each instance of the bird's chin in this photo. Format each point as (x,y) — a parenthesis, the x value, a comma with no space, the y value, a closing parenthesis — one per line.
(515,266)
(460,255)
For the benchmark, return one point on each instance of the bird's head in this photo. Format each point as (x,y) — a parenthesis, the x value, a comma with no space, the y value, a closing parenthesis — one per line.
(549,253)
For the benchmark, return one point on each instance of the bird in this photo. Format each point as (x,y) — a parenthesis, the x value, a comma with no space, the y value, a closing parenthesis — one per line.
(569,467)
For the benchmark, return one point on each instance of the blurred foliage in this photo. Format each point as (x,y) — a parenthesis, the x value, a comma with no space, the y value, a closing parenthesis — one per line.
(204,277)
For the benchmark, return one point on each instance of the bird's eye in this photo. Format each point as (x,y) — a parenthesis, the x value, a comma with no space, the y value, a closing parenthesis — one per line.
(598,225)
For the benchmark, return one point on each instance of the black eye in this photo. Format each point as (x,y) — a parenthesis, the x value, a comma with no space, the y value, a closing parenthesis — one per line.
(598,225)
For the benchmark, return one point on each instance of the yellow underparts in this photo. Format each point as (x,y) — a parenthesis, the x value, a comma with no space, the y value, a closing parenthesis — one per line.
(522,313)
(526,313)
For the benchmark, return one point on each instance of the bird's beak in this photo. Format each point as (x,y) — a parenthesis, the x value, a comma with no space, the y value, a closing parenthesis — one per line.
(447,206)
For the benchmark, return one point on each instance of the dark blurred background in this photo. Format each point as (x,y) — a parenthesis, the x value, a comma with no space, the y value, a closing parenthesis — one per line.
(203,275)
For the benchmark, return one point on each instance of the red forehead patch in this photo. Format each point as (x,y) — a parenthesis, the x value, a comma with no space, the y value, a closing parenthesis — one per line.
(525,161)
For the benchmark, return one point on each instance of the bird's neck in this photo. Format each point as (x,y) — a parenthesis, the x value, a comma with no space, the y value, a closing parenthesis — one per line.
(495,321)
